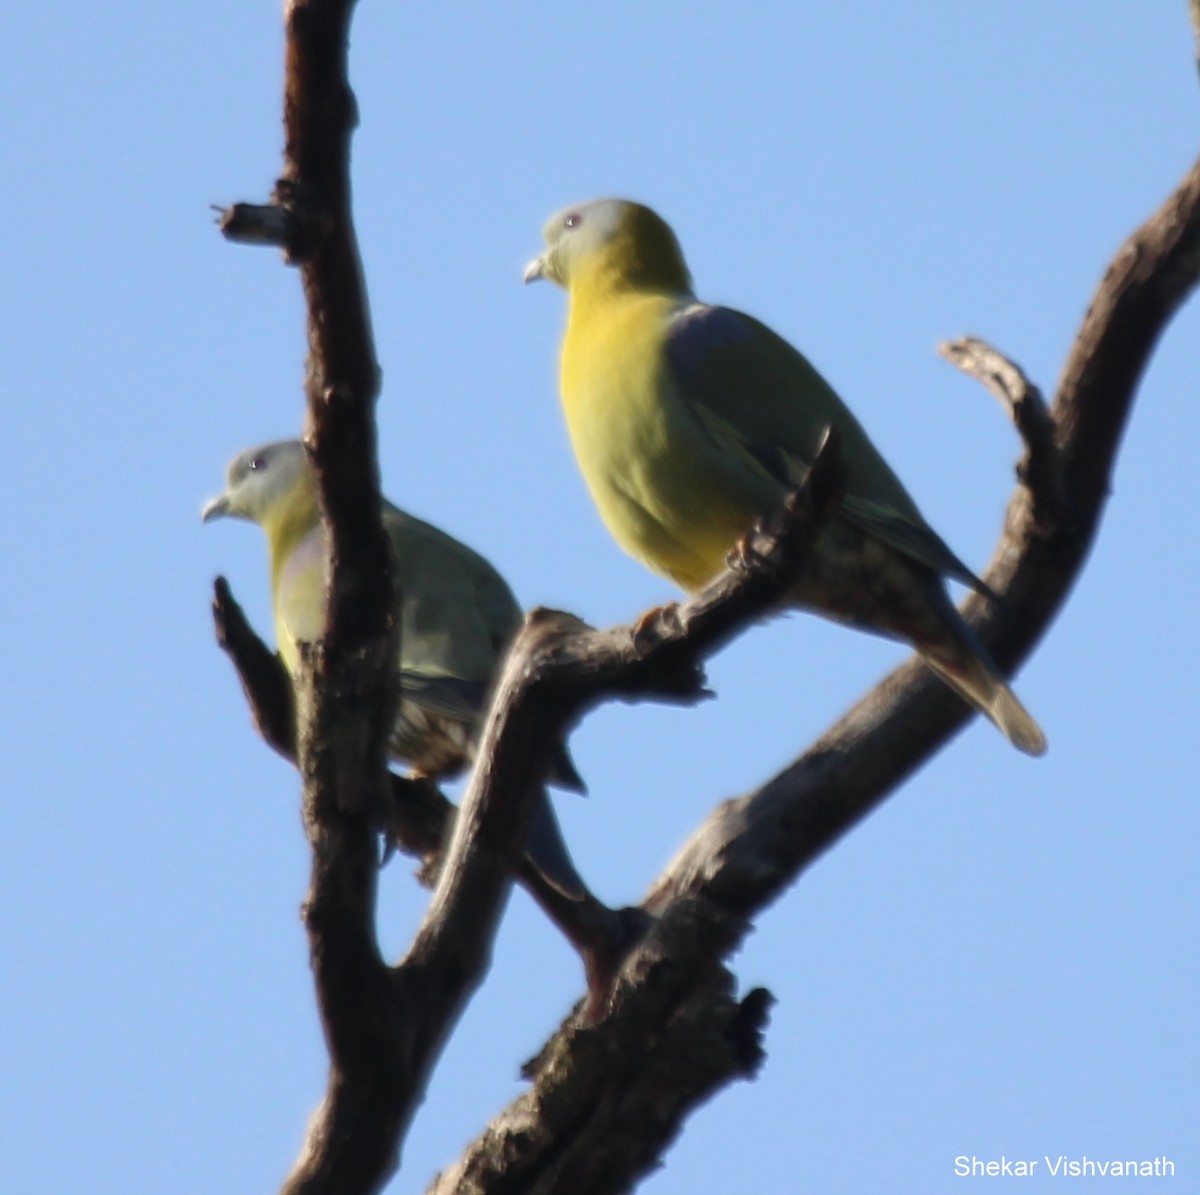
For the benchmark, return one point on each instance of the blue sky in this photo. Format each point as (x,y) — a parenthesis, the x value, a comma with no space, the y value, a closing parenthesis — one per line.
(1000,961)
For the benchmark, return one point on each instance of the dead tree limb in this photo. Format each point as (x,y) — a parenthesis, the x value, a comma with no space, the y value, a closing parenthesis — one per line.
(608,1096)
(567,1132)
(384,1025)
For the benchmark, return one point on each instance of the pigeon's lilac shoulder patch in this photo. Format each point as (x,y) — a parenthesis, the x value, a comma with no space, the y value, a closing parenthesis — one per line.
(309,554)
(697,331)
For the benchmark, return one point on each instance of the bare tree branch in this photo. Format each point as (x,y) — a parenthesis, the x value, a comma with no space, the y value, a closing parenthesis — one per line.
(558,667)
(345,692)
(265,681)
(748,850)
(1040,468)
(419,818)
(355,1134)
(675,1034)
(384,1026)
(663,1029)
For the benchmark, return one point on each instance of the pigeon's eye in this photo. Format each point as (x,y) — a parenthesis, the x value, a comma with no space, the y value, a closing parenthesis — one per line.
(258,462)
(573,220)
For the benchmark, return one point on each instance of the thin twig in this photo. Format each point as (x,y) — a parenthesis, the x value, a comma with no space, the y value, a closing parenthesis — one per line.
(1040,468)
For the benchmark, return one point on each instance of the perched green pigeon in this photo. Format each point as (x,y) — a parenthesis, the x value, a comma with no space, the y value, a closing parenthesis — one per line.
(457,617)
(691,422)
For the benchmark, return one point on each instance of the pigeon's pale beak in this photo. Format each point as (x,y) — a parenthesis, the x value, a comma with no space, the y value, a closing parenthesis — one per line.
(535,269)
(215,508)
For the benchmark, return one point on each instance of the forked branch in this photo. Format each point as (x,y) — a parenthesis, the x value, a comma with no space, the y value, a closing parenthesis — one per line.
(750,849)
(664,1029)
